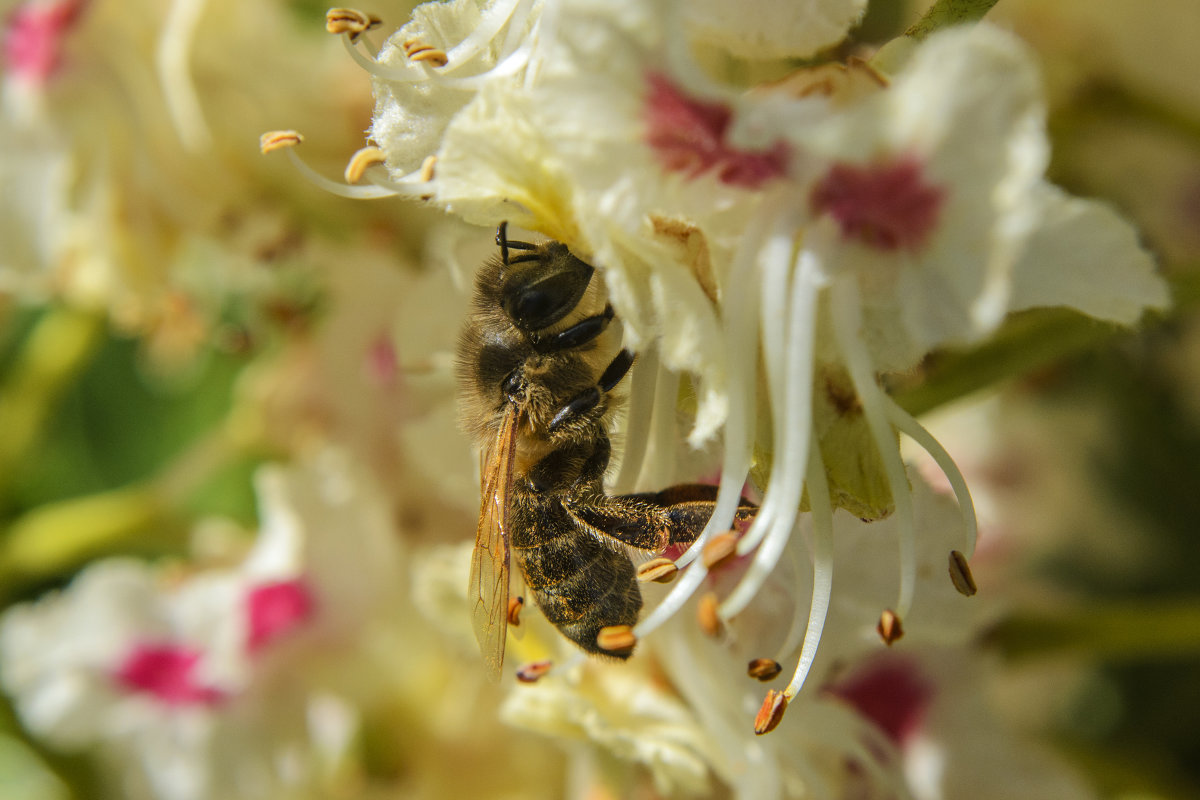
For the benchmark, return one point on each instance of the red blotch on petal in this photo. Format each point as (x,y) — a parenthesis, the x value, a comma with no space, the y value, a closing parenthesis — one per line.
(892,693)
(33,37)
(165,672)
(887,205)
(688,136)
(383,364)
(275,609)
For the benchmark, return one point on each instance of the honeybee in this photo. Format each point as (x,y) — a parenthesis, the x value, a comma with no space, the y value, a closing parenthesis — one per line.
(538,360)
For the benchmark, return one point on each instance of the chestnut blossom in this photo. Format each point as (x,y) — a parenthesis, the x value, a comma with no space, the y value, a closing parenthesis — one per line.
(805,236)
(196,684)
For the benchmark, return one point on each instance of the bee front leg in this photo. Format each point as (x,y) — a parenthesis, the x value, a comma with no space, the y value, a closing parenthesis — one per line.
(575,336)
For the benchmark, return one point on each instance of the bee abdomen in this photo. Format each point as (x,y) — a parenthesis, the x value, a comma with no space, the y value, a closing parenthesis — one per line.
(580,583)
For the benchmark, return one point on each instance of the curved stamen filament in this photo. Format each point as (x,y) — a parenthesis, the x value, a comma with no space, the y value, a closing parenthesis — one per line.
(908,425)
(659,462)
(414,184)
(172,59)
(822,524)
(847,320)
(405,73)
(775,259)
(288,140)
(798,560)
(640,407)
(516,29)
(513,57)
(510,65)
(740,319)
(792,432)
(490,24)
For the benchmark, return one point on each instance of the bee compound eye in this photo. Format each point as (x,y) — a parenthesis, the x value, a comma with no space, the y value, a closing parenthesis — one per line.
(533,308)
(541,291)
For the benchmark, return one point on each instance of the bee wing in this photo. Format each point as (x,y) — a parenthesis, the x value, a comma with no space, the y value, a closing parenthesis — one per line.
(488,589)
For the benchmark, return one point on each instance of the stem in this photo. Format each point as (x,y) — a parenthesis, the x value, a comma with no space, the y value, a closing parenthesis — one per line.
(1141,631)
(58,348)
(58,537)
(947,13)
(942,14)
(1029,340)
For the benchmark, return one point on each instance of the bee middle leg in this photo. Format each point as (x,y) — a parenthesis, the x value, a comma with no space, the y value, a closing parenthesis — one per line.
(588,399)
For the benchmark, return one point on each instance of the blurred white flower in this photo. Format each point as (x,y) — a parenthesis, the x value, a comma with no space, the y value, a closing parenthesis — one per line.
(211,683)
(128,183)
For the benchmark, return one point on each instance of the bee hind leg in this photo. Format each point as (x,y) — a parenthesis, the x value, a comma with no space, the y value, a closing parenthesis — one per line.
(688,507)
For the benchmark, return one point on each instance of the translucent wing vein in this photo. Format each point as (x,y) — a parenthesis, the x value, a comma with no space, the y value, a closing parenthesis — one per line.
(488,589)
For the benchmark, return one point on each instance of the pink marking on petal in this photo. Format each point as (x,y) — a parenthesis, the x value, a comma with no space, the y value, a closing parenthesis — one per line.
(33,37)
(689,136)
(165,672)
(887,205)
(275,609)
(892,693)
(383,365)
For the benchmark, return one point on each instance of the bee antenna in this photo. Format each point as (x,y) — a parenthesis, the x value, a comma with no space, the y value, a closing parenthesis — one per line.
(502,240)
(505,244)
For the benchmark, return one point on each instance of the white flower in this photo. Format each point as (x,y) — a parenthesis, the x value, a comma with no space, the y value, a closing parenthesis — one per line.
(931,193)
(414,103)
(625,714)
(829,227)
(206,684)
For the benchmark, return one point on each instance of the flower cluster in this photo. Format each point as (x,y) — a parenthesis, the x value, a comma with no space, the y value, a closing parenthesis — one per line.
(787,226)
(801,236)
(181,672)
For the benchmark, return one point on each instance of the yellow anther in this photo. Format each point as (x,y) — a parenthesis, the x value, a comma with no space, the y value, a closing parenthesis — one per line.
(771,713)
(417,50)
(661,570)
(349,20)
(889,627)
(763,669)
(277,140)
(515,604)
(960,574)
(427,168)
(719,550)
(436,58)
(616,638)
(706,614)
(360,161)
(533,672)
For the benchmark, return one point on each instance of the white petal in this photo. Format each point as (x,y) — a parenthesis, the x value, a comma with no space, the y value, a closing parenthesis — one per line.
(773,28)
(411,117)
(496,165)
(1084,255)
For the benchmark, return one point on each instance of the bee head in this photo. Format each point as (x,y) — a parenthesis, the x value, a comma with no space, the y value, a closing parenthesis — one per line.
(543,285)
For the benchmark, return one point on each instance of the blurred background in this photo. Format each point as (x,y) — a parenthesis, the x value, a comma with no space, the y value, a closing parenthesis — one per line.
(177,311)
